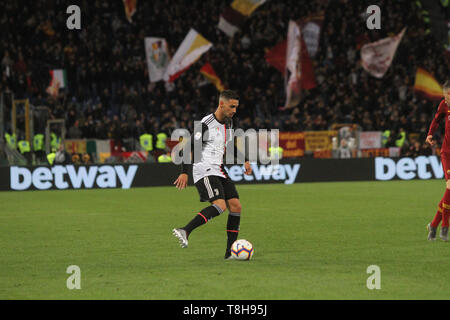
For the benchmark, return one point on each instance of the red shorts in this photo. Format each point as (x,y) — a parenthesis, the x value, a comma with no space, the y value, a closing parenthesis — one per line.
(445,158)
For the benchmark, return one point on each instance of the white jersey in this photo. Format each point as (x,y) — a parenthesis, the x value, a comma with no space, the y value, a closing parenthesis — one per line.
(214,136)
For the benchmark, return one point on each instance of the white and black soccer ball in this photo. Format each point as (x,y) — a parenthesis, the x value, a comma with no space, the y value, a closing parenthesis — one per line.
(242,250)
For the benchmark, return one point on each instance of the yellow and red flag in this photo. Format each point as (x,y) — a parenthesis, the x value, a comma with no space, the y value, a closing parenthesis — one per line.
(209,73)
(233,17)
(189,51)
(427,85)
(130,9)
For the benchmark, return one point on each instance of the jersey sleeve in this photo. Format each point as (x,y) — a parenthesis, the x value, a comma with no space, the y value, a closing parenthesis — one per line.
(198,137)
(440,114)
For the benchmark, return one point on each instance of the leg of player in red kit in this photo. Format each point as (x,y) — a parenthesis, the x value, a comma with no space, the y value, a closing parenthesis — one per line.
(443,212)
(438,217)
(446,199)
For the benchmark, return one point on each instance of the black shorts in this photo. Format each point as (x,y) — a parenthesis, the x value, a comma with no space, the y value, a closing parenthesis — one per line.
(212,188)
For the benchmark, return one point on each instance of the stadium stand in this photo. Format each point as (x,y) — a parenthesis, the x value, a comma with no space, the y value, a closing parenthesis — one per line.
(109,96)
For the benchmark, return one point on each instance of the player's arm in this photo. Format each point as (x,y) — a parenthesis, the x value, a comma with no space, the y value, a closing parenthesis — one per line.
(240,155)
(182,180)
(440,114)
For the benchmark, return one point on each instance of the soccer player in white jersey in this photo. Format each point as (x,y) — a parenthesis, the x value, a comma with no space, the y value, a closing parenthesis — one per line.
(210,178)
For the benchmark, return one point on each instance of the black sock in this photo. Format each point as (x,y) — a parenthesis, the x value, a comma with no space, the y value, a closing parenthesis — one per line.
(203,217)
(234,220)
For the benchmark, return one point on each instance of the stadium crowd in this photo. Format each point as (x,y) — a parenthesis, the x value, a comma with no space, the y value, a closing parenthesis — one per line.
(109,94)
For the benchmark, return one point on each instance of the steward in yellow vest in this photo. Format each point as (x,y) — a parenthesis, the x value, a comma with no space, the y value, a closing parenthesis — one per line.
(401,139)
(146,141)
(161,141)
(276,153)
(24,146)
(55,141)
(51,158)
(38,142)
(165,158)
(11,140)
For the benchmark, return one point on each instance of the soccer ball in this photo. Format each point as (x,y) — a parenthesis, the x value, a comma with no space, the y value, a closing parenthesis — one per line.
(242,250)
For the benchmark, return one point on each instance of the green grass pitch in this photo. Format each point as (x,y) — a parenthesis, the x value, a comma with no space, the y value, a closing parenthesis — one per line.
(311,240)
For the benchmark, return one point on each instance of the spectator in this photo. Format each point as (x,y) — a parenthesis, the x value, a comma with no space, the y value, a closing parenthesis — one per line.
(74,131)
(62,157)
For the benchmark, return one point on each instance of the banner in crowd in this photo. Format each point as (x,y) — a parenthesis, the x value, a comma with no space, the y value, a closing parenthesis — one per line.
(87,145)
(102,146)
(246,7)
(319,140)
(276,56)
(369,139)
(232,18)
(157,56)
(58,80)
(307,78)
(190,50)
(136,156)
(377,57)
(311,27)
(427,85)
(209,73)
(299,71)
(103,156)
(293,144)
(229,21)
(371,153)
(322,154)
(293,67)
(380,152)
(126,157)
(130,9)
(75,146)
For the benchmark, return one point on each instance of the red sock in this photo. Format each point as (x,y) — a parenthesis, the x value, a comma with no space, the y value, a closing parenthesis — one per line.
(438,217)
(446,208)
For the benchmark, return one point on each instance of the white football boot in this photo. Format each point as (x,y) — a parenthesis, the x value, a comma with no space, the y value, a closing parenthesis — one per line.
(182,236)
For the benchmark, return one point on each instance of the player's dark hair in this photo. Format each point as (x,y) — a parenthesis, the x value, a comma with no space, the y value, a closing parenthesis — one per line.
(446,85)
(229,95)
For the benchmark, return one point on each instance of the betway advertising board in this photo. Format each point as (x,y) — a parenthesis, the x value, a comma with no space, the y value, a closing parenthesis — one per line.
(64,177)
(61,177)
(422,167)
(125,176)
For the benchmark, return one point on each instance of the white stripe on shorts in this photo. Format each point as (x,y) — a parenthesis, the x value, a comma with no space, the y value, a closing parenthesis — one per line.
(208,187)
